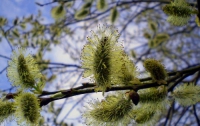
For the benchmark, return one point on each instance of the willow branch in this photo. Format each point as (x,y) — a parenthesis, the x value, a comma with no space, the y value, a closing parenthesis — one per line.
(90,88)
(196,115)
(86,88)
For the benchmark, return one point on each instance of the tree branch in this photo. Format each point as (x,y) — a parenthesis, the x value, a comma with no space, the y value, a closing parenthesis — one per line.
(90,87)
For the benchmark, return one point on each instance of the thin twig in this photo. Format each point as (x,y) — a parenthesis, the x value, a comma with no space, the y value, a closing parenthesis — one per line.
(196,116)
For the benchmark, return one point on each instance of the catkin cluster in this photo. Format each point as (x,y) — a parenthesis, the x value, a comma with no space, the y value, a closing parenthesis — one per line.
(23,73)
(104,60)
(179,12)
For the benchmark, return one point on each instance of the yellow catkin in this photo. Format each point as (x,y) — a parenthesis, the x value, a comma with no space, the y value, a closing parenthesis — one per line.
(23,70)
(101,57)
(114,110)
(156,69)
(27,109)
(6,110)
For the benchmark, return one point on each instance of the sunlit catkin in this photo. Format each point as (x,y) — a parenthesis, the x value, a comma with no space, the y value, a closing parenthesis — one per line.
(23,70)
(153,102)
(156,69)
(27,109)
(6,110)
(147,114)
(153,94)
(101,57)
(179,12)
(128,73)
(114,110)
(187,94)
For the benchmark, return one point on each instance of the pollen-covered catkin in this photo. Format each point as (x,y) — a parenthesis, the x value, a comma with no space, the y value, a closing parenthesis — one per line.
(146,114)
(179,12)
(153,94)
(27,109)
(23,70)
(156,69)
(128,73)
(153,102)
(114,110)
(187,94)
(101,57)
(6,110)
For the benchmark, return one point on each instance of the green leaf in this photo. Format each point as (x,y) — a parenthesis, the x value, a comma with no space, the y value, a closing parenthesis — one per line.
(87,5)
(114,14)
(69,4)
(151,43)
(3,21)
(81,14)
(152,26)
(23,26)
(58,12)
(29,18)
(15,33)
(101,5)
(133,54)
(15,21)
(147,35)
(50,79)
(162,37)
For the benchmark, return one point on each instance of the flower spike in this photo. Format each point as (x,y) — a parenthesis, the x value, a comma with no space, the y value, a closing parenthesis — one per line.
(100,57)
(23,70)
(113,111)
(6,110)
(27,109)
(157,70)
(187,94)
(179,12)
(128,73)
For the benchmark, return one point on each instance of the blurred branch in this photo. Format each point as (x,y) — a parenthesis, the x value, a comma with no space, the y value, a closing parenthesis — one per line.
(4,33)
(5,57)
(3,70)
(74,107)
(54,1)
(181,115)
(169,114)
(61,64)
(196,116)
